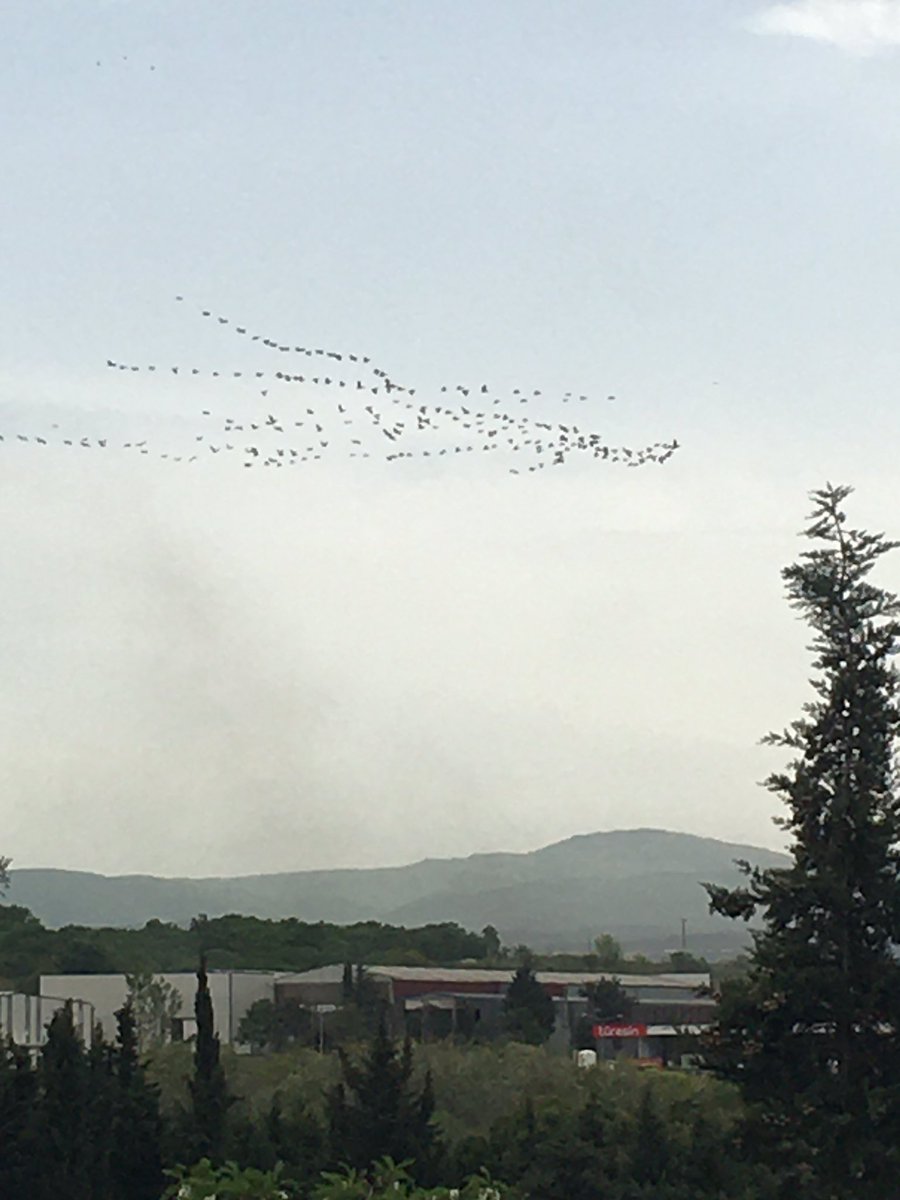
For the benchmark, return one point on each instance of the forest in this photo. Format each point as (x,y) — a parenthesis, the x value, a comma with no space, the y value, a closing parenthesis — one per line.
(29,949)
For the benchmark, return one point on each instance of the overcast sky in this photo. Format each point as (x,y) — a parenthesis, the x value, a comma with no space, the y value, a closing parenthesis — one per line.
(687,204)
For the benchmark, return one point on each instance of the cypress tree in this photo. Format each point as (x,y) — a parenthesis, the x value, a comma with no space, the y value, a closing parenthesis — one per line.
(348,991)
(210,1097)
(137,1128)
(813,1034)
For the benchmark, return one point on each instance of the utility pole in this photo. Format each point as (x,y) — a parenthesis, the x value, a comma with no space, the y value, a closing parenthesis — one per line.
(321,1010)
(684,933)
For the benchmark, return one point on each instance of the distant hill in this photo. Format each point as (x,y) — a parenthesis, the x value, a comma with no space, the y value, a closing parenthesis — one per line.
(636,884)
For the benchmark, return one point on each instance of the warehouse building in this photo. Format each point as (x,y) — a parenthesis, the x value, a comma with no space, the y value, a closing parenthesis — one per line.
(232,993)
(433,1002)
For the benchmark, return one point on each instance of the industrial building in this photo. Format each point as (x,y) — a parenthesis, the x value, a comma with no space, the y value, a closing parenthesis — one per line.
(232,993)
(665,1011)
(436,1002)
(24,1018)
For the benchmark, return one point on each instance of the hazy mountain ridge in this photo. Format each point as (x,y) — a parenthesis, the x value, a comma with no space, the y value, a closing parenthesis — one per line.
(636,884)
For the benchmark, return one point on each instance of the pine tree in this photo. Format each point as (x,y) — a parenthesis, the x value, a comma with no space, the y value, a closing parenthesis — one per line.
(376,1112)
(137,1128)
(210,1097)
(813,1034)
(528,1014)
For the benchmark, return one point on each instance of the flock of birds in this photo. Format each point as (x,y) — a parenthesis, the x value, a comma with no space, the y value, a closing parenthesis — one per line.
(334,402)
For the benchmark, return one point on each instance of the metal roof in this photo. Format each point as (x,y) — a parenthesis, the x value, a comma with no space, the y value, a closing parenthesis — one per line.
(334,974)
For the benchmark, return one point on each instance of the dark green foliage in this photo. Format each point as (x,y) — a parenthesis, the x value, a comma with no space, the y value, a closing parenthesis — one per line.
(80,957)
(563,1153)
(99,1116)
(135,1161)
(78,1125)
(813,1033)
(377,1112)
(28,949)
(682,961)
(650,1152)
(603,1146)
(268,1025)
(210,1097)
(366,995)
(608,952)
(491,939)
(63,1117)
(598,1136)
(18,1127)
(347,990)
(364,1003)
(297,1139)
(25,945)
(528,1014)
(205,1180)
(607,1001)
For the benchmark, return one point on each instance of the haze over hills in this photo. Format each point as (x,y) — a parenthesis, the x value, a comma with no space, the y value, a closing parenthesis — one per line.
(635,884)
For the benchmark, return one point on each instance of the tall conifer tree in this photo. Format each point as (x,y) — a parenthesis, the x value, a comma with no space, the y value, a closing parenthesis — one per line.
(99,1116)
(19,1157)
(135,1162)
(62,1116)
(377,1111)
(813,1035)
(210,1097)
(528,1014)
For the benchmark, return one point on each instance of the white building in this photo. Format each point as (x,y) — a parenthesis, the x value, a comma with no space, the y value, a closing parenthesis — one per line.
(231,992)
(24,1019)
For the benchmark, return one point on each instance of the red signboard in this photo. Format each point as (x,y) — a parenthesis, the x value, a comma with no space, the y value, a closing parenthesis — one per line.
(620,1030)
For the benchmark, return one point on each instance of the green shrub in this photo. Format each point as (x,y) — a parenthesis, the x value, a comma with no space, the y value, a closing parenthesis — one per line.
(203,1181)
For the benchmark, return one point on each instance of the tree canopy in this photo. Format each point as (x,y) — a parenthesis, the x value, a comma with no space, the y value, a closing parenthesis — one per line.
(812,1033)
(528,1014)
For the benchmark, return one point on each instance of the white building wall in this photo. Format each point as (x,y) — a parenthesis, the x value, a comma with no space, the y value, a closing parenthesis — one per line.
(105,992)
(24,1019)
(231,992)
(247,988)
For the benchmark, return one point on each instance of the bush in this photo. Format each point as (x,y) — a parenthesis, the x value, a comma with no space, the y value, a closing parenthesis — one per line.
(388,1181)
(203,1181)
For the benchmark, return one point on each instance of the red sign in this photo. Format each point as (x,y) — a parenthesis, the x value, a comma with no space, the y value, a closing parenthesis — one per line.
(620,1030)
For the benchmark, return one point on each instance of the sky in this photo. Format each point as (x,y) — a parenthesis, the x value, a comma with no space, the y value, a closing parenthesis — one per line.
(688,205)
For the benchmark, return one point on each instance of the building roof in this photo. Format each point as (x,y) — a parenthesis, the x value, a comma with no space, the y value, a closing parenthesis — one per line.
(474,975)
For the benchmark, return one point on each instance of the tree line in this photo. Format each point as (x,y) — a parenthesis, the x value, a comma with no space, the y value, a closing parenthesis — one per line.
(29,949)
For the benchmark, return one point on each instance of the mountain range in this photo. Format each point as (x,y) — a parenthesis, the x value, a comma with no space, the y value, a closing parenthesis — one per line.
(635,884)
